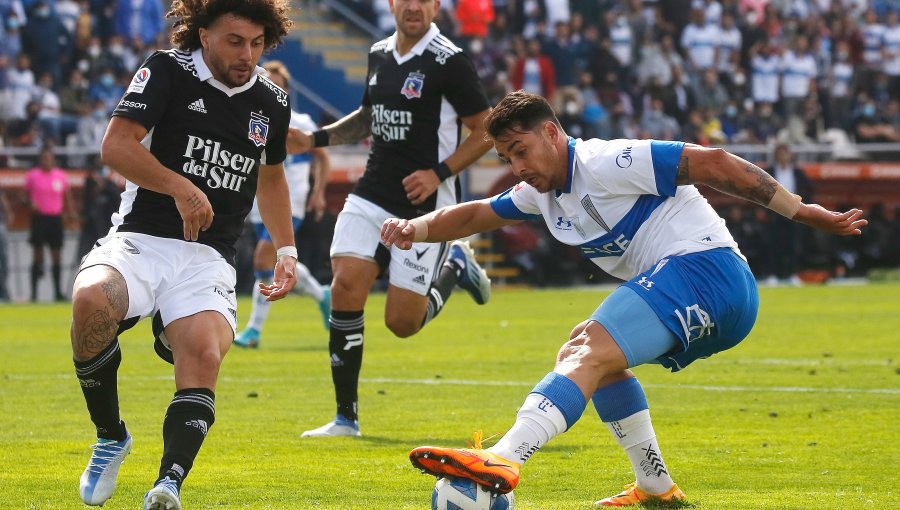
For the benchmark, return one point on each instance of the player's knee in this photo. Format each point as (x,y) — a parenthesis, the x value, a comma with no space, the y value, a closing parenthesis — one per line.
(578,329)
(403,326)
(571,349)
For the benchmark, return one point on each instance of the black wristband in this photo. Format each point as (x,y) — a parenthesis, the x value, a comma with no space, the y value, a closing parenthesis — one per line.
(443,171)
(320,138)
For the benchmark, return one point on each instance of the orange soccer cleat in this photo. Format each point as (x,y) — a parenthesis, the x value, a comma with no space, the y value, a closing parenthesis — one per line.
(634,495)
(476,464)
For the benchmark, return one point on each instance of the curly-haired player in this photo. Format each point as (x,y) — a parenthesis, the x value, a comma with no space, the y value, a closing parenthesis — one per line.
(198,134)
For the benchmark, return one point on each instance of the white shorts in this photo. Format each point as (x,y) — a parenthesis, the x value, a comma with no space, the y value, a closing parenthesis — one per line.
(358,234)
(170,276)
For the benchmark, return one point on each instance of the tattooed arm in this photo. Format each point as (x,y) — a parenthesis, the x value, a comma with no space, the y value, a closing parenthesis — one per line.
(350,129)
(738,177)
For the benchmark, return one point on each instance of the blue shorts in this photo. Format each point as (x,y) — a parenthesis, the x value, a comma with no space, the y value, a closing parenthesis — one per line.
(263,235)
(707,301)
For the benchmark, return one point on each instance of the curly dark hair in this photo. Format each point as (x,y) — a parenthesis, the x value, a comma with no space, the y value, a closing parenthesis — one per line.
(519,111)
(191,15)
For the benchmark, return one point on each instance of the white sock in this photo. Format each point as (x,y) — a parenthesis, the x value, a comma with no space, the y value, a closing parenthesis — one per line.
(537,422)
(635,434)
(260,310)
(307,285)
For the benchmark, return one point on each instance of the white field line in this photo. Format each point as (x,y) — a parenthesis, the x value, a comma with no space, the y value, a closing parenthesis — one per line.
(517,384)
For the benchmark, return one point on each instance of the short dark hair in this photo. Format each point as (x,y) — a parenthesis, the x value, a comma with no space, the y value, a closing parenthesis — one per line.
(519,111)
(192,15)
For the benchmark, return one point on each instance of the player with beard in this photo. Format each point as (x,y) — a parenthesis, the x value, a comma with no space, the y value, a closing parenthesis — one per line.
(421,89)
(198,133)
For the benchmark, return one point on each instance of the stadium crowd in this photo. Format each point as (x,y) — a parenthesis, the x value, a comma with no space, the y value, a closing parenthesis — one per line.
(711,72)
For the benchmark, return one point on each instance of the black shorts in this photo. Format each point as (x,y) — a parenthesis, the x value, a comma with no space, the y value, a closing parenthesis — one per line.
(46,230)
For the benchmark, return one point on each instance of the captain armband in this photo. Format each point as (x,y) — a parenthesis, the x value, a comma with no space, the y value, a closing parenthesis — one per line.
(785,203)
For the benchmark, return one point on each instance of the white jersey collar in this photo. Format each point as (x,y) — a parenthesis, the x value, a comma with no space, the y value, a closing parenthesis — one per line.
(418,49)
(204,74)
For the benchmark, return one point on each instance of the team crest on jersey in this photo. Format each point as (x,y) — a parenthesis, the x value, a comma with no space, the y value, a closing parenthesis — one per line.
(259,128)
(412,87)
(141,77)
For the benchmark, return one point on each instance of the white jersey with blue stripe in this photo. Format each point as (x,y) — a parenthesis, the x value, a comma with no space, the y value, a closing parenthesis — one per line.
(296,171)
(621,207)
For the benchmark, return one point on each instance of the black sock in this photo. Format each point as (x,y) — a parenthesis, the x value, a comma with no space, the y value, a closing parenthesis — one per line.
(36,273)
(189,417)
(346,348)
(97,377)
(440,290)
(56,271)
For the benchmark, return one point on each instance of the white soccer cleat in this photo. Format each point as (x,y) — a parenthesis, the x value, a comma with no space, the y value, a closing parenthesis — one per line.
(98,482)
(163,496)
(339,427)
(473,279)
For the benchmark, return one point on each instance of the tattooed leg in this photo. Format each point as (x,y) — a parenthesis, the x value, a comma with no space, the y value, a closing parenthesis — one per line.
(99,303)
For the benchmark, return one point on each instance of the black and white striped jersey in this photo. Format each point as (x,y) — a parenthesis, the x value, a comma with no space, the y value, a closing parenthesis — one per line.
(416,102)
(213,134)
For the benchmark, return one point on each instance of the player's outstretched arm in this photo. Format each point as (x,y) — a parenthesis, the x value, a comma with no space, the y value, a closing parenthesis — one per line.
(352,128)
(445,224)
(122,151)
(738,177)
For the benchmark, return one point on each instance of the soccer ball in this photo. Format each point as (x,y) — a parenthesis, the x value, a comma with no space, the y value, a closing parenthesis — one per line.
(464,494)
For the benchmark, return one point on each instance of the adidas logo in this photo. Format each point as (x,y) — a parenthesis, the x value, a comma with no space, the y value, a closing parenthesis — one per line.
(336,361)
(198,424)
(419,279)
(198,106)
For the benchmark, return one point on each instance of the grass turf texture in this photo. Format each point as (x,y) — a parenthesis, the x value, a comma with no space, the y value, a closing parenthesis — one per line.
(803,414)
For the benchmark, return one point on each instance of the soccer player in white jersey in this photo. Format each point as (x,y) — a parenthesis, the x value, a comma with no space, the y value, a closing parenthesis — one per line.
(197,135)
(631,206)
(297,170)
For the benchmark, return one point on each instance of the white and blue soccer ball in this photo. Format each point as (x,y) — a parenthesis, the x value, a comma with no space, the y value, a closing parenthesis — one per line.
(464,494)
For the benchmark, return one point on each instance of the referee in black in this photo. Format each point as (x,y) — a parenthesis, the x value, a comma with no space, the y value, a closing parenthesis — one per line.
(421,90)
(198,133)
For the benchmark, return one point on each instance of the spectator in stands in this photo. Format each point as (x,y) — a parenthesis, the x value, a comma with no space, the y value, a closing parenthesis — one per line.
(139,18)
(656,124)
(841,79)
(699,42)
(563,54)
(763,126)
(622,38)
(872,56)
(73,94)
(473,16)
(678,97)
(99,59)
(533,71)
(49,198)
(528,15)
(6,217)
(68,11)
(891,49)
(46,41)
(100,199)
(871,126)
(798,72)
(12,45)
(118,49)
(88,135)
(765,62)
(784,238)
(20,87)
(709,93)
(107,89)
(53,125)
(728,52)
(26,132)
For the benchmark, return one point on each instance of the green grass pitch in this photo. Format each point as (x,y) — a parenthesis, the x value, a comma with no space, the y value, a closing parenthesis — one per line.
(804,414)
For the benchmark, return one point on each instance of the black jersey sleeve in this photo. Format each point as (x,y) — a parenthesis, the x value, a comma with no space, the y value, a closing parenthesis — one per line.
(276,142)
(147,95)
(464,90)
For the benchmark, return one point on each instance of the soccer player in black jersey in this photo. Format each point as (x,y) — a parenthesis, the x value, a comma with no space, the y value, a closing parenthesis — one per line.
(197,135)
(421,90)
